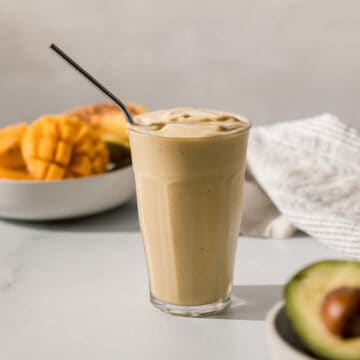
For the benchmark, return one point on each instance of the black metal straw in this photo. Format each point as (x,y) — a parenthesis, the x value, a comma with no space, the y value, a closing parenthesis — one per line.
(116,100)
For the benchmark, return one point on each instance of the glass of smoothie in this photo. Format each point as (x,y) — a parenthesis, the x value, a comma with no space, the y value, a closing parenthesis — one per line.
(189,169)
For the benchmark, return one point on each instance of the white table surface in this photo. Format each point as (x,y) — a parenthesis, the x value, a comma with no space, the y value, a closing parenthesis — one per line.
(78,290)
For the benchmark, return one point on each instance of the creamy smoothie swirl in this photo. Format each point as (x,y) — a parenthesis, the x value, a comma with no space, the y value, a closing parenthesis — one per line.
(189,122)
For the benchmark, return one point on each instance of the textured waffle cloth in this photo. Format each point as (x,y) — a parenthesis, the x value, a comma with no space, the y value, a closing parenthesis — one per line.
(305,175)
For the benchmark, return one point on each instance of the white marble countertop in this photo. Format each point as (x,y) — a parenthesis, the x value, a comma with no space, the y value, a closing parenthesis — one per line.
(78,291)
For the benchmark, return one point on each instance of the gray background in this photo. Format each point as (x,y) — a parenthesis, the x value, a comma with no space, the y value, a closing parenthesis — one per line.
(270,60)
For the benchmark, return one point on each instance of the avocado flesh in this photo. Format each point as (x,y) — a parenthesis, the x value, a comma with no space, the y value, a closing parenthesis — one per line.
(304,295)
(119,149)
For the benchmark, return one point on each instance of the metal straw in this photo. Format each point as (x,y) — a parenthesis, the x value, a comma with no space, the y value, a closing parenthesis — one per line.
(116,100)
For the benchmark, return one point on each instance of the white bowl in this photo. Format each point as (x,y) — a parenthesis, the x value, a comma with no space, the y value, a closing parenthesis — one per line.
(282,340)
(55,200)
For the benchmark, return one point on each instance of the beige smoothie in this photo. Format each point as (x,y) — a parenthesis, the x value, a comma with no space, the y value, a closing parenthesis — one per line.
(189,168)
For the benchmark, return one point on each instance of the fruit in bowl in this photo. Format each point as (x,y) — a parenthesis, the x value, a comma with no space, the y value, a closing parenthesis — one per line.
(81,142)
(71,147)
(320,315)
(10,146)
(323,304)
(59,146)
(110,124)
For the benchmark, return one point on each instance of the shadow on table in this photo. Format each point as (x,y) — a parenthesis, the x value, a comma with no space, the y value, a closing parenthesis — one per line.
(251,302)
(120,219)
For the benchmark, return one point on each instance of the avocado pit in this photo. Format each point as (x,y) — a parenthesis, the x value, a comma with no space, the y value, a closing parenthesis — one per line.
(340,312)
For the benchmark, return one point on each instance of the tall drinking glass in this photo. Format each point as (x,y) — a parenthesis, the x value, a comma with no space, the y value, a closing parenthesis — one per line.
(189,169)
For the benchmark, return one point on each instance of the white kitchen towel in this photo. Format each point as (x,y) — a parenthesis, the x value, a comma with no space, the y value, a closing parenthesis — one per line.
(305,174)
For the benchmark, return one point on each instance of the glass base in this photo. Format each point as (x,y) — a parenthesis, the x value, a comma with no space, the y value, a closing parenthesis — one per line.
(191,311)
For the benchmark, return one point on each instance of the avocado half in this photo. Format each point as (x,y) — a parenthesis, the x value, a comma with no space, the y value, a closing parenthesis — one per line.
(119,149)
(304,296)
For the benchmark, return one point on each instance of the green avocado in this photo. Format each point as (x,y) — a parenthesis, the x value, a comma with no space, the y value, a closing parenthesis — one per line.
(119,150)
(304,297)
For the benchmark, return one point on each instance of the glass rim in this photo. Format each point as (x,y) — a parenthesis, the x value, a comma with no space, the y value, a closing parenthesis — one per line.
(137,129)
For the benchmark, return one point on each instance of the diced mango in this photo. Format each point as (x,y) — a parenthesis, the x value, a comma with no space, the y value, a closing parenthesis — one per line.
(60,146)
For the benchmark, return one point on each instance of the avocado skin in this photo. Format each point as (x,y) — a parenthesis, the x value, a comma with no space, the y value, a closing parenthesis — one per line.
(313,339)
